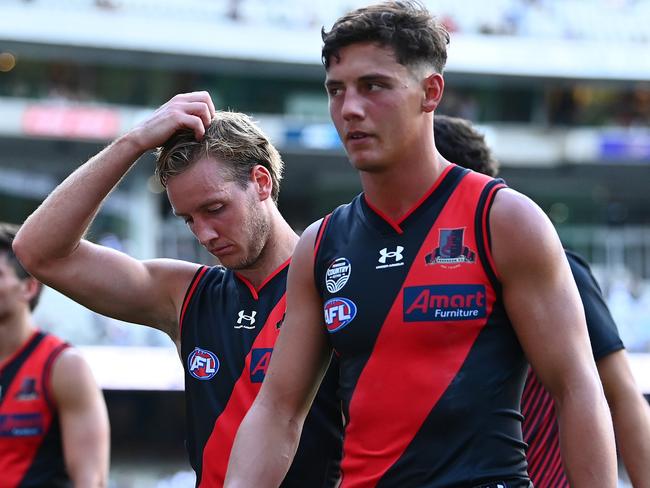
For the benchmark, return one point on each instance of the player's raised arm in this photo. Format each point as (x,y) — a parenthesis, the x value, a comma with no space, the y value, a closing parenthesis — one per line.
(543,304)
(50,243)
(268,437)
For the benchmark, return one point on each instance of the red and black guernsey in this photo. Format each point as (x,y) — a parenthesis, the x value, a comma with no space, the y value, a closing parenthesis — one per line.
(228,330)
(540,424)
(431,372)
(31,449)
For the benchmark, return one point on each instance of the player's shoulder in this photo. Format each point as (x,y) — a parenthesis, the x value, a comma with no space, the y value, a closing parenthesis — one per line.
(70,358)
(516,215)
(522,236)
(71,376)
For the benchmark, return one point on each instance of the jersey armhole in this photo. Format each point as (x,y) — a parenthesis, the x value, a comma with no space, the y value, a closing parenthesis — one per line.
(319,238)
(47,374)
(188,295)
(482,225)
(321,231)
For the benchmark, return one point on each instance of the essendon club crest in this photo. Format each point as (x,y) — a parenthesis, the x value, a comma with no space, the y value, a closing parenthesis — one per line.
(451,249)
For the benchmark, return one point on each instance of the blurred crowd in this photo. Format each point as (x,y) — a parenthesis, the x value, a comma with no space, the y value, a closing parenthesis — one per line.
(601,20)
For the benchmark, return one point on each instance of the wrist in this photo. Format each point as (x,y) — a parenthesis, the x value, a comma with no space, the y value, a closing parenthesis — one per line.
(132,144)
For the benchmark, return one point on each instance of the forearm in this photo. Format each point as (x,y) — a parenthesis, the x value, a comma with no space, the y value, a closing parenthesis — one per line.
(56,227)
(263,451)
(632,428)
(587,438)
(89,477)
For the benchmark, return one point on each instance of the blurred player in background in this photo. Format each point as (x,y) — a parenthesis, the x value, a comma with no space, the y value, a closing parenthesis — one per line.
(428,286)
(460,143)
(54,429)
(222,177)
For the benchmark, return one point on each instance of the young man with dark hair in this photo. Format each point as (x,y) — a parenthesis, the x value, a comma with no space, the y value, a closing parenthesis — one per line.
(222,177)
(54,428)
(432,287)
(460,143)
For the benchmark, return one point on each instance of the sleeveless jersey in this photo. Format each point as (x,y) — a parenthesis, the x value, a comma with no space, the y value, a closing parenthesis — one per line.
(540,424)
(31,449)
(228,330)
(431,372)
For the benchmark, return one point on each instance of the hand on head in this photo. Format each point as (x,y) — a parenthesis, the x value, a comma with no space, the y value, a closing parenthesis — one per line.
(193,111)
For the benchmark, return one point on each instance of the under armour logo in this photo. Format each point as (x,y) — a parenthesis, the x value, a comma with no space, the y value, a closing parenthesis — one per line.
(396,256)
(250,319)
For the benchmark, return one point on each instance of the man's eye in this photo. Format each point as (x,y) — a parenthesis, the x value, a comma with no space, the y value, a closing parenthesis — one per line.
(333,91)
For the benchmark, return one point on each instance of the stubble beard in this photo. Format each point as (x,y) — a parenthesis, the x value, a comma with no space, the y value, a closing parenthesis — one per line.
(259,229)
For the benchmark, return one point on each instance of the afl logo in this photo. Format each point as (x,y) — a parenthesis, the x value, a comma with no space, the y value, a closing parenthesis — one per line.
(339,312)
(337,275)
(202,364)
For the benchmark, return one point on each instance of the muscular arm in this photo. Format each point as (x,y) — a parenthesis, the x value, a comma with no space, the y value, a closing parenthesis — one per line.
(83,419)
(268,437)
(631,416)
(543,304)
(50,243)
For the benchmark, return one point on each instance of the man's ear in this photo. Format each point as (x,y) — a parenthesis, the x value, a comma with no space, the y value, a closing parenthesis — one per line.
(433,86)
(261,178)
(31,288)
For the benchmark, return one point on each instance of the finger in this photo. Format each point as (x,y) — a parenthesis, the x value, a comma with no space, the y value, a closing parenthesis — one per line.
(211,107)
(194,123)
(198,96)
(198,109)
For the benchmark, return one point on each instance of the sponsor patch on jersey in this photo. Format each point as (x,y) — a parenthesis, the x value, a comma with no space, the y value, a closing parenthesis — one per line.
(339,312)
(27,390)
(202,364)
(260,359)
(438,303)
(390,258)
(337,274)
(21,425)
(451,249)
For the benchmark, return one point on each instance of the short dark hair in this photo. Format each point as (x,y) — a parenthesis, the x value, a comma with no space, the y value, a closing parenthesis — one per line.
(7,234)
(231,137)
(460,143)
(406,26)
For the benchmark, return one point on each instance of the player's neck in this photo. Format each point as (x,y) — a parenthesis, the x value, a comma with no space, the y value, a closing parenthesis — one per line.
(278,249)
(397,189)
(14,333)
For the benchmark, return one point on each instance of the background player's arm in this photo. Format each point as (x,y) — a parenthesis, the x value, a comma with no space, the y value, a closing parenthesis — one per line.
(543,304)
(50,243)
(268,437)
(631,416)
(630,411)
(83,419)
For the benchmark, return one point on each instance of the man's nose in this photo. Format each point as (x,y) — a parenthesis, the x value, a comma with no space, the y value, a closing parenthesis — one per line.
(205,233)
(352,105)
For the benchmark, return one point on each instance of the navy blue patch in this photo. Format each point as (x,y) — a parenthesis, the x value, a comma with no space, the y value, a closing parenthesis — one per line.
(441,303)
(260,359)
(450,249)
(337,274)
(27,390)
(21,425)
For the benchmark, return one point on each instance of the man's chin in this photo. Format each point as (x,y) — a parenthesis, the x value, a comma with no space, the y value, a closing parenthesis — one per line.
(367,165)
(238,263)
